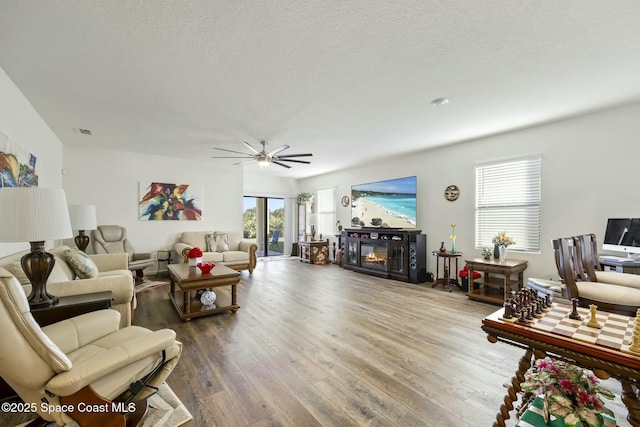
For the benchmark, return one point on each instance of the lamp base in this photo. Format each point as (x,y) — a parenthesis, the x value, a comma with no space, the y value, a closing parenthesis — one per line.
(37,265)
(82,240)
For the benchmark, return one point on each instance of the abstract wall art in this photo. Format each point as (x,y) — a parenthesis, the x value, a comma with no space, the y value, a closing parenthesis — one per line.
(169,202)
(17,165)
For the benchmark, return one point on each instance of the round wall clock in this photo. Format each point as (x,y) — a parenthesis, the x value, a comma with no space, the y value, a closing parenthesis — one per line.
(345,201)
(451,193)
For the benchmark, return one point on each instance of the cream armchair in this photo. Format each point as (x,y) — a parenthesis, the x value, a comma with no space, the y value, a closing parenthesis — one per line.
(59,369)
(112,239)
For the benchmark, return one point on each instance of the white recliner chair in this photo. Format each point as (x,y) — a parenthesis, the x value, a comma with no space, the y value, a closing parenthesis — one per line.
(112,239)
(59,369)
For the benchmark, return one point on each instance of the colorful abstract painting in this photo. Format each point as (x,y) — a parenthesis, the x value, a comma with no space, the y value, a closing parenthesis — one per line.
(169,202)
(17,165)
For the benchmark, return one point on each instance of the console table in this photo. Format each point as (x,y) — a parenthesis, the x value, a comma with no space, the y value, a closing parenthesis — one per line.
(498,279)
(314,252)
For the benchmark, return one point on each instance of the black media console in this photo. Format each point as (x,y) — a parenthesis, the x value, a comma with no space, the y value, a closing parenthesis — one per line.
(391,253)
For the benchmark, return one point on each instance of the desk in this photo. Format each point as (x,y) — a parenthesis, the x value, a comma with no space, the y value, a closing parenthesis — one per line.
(447,278)
(314,252)
(632,267)
(623,366)
(498,279)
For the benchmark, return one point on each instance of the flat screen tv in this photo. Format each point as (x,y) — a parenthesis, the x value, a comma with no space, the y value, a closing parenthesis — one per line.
(390,203)
(622,235)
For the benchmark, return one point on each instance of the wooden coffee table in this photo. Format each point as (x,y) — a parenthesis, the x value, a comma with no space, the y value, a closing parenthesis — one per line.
(191,279)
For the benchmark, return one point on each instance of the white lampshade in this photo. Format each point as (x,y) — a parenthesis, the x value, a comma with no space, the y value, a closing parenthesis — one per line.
(33,214)
(83,217)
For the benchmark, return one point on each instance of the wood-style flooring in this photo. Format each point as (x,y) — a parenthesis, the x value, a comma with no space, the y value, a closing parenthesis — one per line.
(321,346)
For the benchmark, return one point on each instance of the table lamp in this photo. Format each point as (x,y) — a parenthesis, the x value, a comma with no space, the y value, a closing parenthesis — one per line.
(83,217)
(34,214)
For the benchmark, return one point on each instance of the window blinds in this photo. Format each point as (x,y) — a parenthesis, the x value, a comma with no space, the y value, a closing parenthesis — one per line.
(326,209)
(508,198)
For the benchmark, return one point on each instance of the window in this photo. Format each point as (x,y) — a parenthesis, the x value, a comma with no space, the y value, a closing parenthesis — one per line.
(326,212)
(508,198)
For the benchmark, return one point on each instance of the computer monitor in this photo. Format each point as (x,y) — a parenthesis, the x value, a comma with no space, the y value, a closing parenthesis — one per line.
(623,235)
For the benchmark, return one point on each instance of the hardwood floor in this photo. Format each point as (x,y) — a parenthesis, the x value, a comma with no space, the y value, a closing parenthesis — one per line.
(321,346)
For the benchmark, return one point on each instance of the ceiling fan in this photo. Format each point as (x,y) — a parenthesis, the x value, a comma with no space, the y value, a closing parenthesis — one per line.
(263,158)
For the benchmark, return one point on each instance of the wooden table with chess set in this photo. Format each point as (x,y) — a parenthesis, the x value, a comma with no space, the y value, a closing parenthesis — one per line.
(606,343)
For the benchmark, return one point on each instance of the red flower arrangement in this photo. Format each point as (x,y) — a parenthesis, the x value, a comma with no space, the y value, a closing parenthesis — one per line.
(195,252)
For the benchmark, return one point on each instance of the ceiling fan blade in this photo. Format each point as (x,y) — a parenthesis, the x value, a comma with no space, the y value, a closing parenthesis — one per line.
(243,162)
(277,150)
(250,147)
(281,164)
(248,156)
(295,155)
(231,151)
(294,160)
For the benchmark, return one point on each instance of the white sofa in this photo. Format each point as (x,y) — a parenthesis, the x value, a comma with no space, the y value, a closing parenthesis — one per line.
(237,253)
(113,275)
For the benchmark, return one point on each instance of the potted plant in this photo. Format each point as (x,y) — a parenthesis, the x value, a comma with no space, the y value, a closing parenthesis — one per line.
(304,197)
(569,392)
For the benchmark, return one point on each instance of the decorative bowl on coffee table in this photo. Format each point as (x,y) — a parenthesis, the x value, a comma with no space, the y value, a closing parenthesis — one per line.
(206,267)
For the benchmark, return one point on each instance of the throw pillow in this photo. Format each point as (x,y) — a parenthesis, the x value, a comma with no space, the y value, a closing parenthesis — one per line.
(81,264)
(221,242)
(16,270)
(211,242)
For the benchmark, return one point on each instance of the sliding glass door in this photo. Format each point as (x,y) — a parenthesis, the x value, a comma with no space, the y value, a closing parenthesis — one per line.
(263,219)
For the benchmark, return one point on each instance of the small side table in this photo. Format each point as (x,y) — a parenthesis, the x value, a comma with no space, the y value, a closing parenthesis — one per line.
(163,255)
(314,252)
(72,306)
(448,278)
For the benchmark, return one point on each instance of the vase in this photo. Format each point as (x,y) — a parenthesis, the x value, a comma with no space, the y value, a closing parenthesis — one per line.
(503,254)
(193,262)
(496,251)
(442,248)
(453,245)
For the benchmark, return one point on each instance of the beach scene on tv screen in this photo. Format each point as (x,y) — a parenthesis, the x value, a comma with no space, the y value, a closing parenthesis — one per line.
(390,203)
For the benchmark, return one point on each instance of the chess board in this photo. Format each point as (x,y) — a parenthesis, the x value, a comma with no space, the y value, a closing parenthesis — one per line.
(616,330)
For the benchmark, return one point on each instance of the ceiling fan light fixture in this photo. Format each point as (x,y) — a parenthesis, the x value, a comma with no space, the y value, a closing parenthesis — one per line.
(263,162)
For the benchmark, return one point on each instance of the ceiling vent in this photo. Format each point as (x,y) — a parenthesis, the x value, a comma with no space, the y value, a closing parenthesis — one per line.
(83,131)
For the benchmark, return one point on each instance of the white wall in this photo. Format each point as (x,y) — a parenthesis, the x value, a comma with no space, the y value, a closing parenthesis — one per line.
(22,124)
(111,179)
(589,173)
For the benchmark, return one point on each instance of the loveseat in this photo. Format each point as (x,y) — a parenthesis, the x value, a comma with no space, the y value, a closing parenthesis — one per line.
(224,247)
(113,275)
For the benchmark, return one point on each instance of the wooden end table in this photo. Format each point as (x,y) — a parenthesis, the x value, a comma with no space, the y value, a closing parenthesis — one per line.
(448,278)
(191,279)
(498,280)
(71,306)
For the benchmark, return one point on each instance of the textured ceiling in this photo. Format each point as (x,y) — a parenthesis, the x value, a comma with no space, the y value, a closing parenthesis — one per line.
(349,81)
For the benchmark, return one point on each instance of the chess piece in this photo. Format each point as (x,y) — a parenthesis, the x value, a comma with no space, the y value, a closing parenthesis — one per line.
(508,309)
(635,341)
(574,312)
(593,322)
